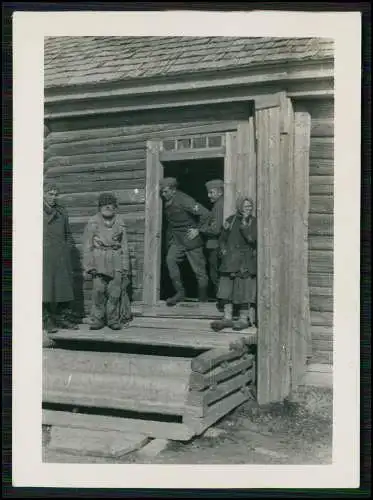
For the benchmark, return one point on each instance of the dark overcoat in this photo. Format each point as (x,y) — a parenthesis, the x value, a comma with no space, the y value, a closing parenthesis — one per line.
(237,245)
(57,247)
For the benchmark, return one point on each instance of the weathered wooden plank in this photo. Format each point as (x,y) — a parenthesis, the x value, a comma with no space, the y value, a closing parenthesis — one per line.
(320,166)
(124,196)
(323,344)
(152,428)
(95,442)
(321,279)
(216,412)
(156,130)
(95,158)
(101,145)
(322,303)
(322,147)
(69,171)
(321,318)
(322,204)
(230,169)
(321,224)
(246,160)
(82,184)
(319,109)
(155,337)
(116,363)
(322,357)
(199,381)
(320,332)
(321,242)
(322,127)
(111,400)
(219,391)
(321,185)
(153,225)
(215,357)
(321,261)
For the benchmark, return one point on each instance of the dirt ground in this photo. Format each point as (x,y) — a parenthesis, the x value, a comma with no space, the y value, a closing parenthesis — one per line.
(295,432)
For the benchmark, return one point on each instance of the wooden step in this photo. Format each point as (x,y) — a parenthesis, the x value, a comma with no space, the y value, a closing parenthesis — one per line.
(152,428)
(160,337)
(95,443)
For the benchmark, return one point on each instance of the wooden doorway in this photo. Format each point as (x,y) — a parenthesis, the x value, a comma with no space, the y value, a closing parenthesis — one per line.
(233,148)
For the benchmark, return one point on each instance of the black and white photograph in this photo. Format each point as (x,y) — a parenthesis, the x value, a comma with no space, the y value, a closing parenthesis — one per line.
(187,287)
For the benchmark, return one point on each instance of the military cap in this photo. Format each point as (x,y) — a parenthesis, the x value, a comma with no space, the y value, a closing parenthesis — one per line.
(107,199)
(49,186)
(214,184)
(168,182)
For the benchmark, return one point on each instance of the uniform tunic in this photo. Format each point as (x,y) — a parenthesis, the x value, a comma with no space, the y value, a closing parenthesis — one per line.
(238,262)
(106,253)
(57,247)
(183,213)
(211,230)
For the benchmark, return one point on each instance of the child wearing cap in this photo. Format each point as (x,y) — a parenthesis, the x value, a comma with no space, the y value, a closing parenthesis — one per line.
(237,283)
(106,261)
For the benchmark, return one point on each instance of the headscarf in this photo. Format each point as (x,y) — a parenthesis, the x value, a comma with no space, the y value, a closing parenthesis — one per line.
(240,201)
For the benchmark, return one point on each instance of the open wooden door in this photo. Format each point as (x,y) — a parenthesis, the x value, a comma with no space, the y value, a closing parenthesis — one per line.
(283,141)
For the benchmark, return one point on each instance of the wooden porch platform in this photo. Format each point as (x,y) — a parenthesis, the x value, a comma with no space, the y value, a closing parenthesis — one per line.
(162,332)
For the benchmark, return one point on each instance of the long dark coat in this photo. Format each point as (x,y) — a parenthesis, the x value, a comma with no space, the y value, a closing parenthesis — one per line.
(238,247)
(57,266)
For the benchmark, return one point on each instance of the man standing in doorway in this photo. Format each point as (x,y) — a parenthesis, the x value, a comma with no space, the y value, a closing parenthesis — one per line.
(213,227)
(184,217)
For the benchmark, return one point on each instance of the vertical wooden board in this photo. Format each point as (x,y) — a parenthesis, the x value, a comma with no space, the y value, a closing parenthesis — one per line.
(286,284)
(246,159)
(153,225)
(269,256)
(301,326)
(230,168)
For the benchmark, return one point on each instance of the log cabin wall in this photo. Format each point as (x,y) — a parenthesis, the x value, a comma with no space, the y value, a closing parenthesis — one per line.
(87,156)
(321,219)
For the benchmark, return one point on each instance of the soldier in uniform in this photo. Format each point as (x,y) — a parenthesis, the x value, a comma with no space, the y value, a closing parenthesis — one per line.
(106,261)
(213,227)
(237,284)
(58,243)
(184,216)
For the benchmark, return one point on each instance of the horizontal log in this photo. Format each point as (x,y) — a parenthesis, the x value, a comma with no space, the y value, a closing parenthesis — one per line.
(66,172)
(152,428)
(321,332)
(100,145)
(321,204)
(318,108)
(199,381)
(321,261)
(133,132)
(322,357)
(112,401)
(96,158)
(320,279)
(321,303)
(158,337)
(130,210)
(321,224)
(321,167)
(321,185)
(78,224)
(218,392)
(322,127)
(116,363)
(217,411)
(124,196)
(322,147)
(321,242)
(321,291)
(321,318)
(323,345)
(215,357)
(84,185)
(128,387)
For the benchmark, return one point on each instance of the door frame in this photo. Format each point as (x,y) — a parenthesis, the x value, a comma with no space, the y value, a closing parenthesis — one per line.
(157,152)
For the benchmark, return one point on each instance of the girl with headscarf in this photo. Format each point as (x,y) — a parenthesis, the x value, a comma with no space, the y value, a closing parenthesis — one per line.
(237,283)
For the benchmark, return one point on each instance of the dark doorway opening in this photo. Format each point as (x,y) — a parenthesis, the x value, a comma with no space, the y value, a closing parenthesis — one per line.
(191,176)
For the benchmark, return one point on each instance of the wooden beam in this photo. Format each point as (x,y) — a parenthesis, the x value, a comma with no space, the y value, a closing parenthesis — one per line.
(192,154)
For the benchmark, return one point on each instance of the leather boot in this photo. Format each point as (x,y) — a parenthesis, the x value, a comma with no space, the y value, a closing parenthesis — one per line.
(178,297)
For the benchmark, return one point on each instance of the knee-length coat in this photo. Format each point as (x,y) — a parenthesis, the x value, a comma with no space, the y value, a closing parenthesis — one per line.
(57,265)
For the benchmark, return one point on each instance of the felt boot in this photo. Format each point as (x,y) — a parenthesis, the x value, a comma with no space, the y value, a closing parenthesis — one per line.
(225,322)
(178,297)
(242,323)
